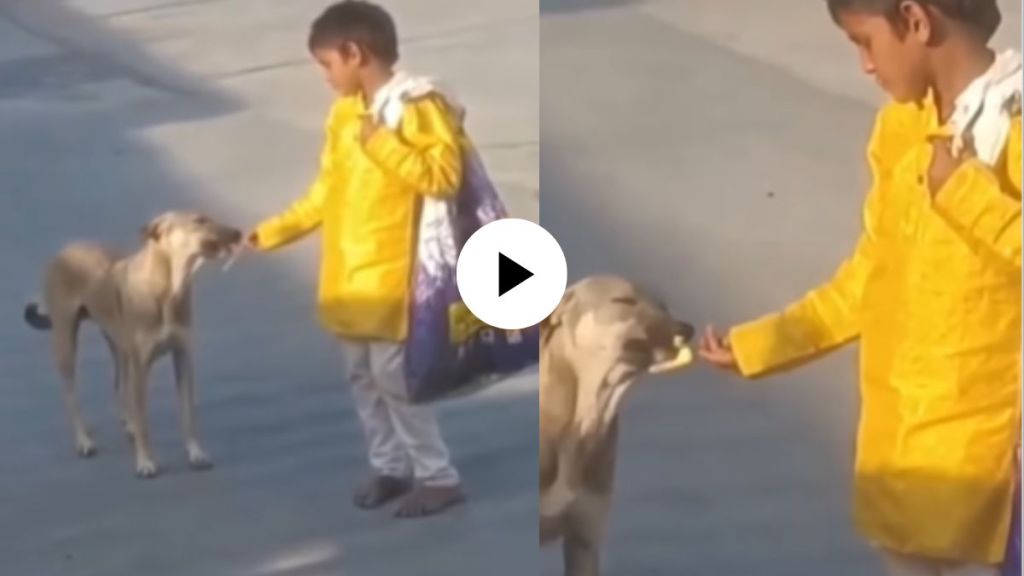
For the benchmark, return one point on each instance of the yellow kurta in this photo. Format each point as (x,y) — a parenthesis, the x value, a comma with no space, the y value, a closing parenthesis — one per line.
(933,292)
(365,200)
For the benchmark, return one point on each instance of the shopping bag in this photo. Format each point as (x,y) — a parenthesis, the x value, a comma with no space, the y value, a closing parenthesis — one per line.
(449,351)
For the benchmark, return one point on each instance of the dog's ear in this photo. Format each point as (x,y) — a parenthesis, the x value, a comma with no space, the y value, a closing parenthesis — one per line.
(151,231)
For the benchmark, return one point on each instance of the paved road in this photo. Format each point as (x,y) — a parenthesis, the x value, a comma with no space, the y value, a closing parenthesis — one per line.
(113,110)
(695,146)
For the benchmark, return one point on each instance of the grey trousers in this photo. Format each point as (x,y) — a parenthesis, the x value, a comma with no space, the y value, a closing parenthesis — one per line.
(903,565)
(404,439)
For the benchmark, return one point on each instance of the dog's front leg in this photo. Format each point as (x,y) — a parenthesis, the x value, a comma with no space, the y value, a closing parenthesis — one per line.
(584,534)
(136,374)
(581,551)
(184,375)
(121,395)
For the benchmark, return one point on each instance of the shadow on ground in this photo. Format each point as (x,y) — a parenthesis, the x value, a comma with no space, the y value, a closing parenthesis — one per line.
(571,6)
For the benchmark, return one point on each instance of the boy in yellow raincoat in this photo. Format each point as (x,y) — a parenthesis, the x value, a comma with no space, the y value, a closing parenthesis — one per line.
(932,291)
(365,202)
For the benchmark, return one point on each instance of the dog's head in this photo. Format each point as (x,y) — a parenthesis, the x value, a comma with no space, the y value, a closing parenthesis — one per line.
(612,319)
(607,333)
(191,235)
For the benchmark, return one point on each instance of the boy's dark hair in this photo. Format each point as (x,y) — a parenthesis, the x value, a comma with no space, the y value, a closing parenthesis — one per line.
(364,24)
(982,15)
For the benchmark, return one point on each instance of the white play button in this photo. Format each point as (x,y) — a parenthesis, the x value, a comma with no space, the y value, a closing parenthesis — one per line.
(511,274)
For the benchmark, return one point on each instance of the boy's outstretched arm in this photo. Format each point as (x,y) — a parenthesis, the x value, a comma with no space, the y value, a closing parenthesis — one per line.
(305,214)
(979,207)
(428,157)
(827,316)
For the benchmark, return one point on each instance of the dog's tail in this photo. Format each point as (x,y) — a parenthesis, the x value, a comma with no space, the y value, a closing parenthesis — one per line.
(37,319)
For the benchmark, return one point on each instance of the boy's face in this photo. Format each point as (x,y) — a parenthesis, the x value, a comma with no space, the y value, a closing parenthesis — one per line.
(896,57)
(341,68)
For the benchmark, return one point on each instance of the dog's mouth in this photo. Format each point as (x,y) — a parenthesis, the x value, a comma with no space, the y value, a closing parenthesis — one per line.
(224,245)
(671,359)
(675,354)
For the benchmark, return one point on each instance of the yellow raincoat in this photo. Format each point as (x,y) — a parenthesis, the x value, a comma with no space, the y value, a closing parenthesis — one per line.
(933,292)
(366,200)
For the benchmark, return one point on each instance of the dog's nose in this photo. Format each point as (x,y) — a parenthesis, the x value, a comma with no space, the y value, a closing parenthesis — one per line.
(685,330)
(234,236)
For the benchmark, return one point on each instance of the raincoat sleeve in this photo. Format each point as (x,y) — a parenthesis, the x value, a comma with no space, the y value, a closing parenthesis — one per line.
(427,155)
(978,205)
(825,317)
(304,215)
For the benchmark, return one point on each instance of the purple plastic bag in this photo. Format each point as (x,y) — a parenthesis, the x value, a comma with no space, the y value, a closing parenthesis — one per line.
(448,349)
(1011,563)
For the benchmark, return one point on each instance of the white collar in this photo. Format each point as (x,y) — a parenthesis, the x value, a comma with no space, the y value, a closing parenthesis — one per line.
(388,101)
(985,108)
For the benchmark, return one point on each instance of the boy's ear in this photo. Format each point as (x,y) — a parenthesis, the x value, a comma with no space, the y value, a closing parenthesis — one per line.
(351,50)
(917,19)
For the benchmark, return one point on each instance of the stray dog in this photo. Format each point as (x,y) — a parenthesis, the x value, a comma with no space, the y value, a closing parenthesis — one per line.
(602,337)
(142,305)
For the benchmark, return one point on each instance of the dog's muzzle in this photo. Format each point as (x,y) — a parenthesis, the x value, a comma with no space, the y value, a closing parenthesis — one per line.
(222,244)
(681,354)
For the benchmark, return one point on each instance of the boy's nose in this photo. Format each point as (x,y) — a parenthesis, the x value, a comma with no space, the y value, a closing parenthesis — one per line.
(867,64)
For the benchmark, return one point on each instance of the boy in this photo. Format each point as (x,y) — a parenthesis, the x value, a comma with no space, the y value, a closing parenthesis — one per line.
(365,201)
(932,292)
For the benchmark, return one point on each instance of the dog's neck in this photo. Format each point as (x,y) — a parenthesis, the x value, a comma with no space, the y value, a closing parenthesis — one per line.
(167,274)
(596,411)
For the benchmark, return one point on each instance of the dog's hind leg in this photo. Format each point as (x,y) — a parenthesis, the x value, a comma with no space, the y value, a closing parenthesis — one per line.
(184,376)
(65,350)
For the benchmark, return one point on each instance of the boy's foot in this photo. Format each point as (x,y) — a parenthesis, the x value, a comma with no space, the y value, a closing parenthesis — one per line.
(380,490)
(430,500)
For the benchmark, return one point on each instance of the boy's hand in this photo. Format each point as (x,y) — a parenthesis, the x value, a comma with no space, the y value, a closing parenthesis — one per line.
(252,240)
(944,163)
(715,350)
(368,128)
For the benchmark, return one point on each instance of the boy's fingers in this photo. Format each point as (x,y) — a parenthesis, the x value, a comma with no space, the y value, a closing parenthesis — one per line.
(713,339)
(707,347)
(709,335)
(703,343)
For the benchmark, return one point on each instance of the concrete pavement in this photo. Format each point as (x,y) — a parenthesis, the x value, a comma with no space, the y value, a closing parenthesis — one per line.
(715,151)
(113,110)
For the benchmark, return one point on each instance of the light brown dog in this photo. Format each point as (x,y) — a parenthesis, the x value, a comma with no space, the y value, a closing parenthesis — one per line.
(601,339)
(142,305)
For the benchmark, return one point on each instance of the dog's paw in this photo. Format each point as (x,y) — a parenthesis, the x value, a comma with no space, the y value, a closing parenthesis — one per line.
(199,460)
(146,469)
(85,447)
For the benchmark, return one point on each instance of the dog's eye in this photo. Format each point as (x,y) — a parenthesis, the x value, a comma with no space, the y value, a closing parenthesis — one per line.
(625,300)
(202,220)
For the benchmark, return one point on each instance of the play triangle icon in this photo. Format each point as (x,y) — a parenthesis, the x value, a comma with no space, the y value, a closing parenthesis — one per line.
(510,274)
